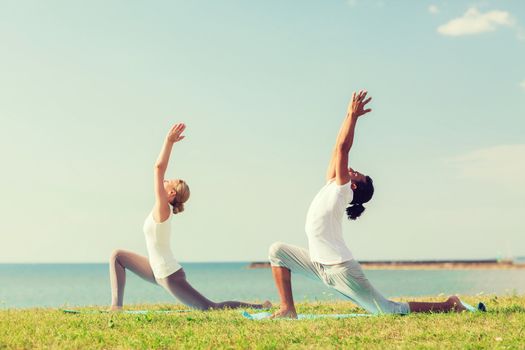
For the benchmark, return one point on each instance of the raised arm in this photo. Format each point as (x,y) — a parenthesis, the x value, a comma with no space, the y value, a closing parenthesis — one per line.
(338,166)
(161,210)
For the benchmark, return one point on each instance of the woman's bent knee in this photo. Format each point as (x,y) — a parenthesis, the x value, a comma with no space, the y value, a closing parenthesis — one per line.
(115,254)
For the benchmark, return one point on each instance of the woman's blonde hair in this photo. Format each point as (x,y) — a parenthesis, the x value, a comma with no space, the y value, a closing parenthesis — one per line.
(183,194)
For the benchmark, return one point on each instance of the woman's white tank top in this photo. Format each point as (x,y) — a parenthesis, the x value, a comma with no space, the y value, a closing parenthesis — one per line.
(161,257)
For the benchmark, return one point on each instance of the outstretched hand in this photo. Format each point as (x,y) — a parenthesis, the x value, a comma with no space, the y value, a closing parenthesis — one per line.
(175,133)
(358,103)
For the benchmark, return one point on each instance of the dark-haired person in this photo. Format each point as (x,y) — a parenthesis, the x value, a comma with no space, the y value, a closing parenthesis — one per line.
(328,259)
(162,268)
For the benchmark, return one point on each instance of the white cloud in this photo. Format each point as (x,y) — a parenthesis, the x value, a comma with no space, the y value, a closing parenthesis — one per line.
(502,163)
(351,3)
(475,22)
(433,9)
(522,84)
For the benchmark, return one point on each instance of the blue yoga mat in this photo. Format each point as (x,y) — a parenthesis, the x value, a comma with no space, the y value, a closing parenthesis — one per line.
(266,315)
(481,307)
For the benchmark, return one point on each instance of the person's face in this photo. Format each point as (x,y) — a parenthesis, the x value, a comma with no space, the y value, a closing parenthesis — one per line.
(170,186)
(356,177)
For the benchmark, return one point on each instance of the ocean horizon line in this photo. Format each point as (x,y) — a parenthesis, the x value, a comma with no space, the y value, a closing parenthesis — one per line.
(415,260)
(105,262)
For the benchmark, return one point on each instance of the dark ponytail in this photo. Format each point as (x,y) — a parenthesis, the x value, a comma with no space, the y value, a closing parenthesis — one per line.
(362,194)
(354,211)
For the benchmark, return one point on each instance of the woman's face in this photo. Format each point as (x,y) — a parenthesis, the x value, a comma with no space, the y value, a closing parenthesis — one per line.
(170,186)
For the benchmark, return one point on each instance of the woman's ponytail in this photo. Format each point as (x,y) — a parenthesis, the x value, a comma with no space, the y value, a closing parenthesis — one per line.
(177,207)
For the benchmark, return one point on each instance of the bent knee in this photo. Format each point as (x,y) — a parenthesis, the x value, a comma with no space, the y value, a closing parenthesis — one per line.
(116,254)
(276,249)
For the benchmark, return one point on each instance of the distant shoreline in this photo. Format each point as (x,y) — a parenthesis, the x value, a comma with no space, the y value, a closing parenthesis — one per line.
(426,265)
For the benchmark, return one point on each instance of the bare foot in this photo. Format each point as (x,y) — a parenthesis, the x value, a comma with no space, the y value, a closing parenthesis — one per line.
(455,304)
(266,305)
(285,313)
(115,308)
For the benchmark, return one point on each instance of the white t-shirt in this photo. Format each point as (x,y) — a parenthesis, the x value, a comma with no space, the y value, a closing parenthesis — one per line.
(324,226)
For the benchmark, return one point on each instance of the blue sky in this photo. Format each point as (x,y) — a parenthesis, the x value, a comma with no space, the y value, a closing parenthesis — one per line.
(88,91)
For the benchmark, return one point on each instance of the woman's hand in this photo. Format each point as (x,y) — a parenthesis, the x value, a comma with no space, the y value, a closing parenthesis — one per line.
(356,107)
(175,134)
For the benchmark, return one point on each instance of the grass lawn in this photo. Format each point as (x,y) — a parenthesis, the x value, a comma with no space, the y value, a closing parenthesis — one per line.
(502,327)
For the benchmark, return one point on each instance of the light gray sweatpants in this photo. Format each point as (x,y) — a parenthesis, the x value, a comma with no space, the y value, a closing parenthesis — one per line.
(347,278)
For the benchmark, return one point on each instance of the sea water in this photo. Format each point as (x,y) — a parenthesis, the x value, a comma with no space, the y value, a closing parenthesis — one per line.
(63,285)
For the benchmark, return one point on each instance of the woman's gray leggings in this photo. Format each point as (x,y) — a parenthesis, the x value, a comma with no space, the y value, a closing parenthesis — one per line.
(176,283)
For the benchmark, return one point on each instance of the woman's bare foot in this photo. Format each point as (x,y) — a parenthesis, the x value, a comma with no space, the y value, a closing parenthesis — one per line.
(266,305)
(285,313)
(455,304)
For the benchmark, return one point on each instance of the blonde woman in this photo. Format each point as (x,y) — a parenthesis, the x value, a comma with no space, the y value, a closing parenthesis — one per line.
(161,267)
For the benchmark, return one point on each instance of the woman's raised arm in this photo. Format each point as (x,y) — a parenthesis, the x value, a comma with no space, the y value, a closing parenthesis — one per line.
(161,211)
